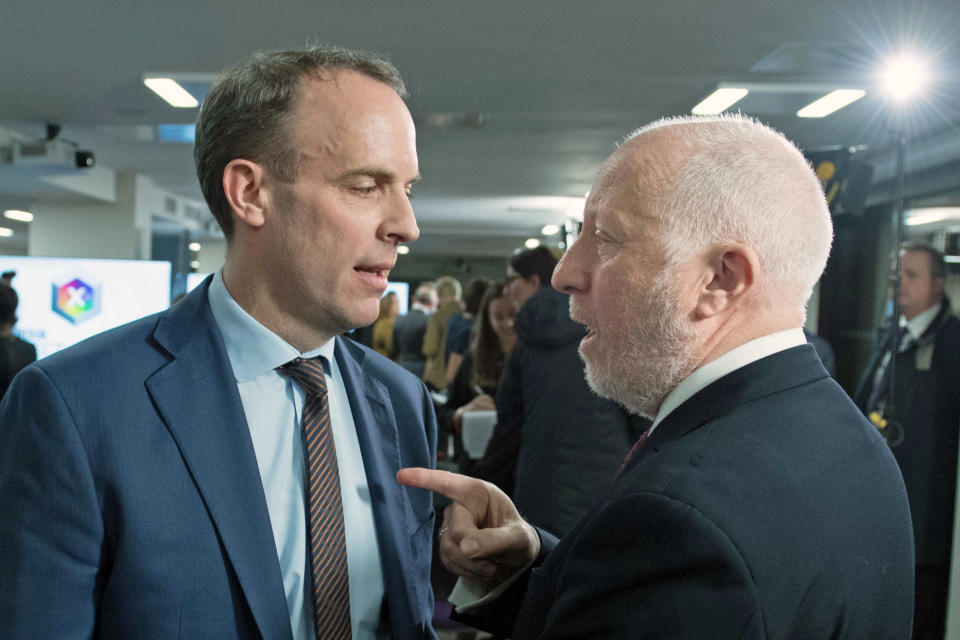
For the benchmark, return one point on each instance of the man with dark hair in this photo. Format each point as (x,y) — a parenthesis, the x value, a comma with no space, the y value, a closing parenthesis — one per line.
(527,271)
(921,420)
(15,354)
(224,469)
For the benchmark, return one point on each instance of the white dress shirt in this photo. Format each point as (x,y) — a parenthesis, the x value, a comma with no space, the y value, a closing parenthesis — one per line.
(273,405)
(915,328)
(727,363)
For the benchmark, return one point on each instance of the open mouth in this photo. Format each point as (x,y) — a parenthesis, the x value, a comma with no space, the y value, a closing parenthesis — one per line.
(375,275)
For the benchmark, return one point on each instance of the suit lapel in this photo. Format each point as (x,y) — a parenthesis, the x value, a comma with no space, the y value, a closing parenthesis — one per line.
(199,402)
(378,435)
(783,370)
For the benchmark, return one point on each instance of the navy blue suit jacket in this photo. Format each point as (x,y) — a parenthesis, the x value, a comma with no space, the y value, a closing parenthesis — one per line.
(131,504)
(765,506)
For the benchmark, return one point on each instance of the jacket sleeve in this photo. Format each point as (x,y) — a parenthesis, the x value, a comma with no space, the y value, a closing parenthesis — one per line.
(51,527)
(644,561)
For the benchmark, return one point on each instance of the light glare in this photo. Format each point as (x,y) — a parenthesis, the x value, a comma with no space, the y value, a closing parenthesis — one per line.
(904,76)
(719,101)
(173,93)
(531,243)
(194,246)
(833,101)
(403,249)
(5,233)
(550,229)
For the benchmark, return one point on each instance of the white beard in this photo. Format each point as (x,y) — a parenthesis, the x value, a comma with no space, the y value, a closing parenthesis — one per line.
(640,368)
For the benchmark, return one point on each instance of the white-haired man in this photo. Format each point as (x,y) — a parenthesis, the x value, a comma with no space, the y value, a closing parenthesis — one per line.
(761,504)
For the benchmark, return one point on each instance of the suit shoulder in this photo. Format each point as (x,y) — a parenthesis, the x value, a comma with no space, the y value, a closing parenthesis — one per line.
(126,343)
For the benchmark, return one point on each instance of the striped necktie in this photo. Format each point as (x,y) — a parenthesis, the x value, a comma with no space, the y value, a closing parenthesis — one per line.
(325,535)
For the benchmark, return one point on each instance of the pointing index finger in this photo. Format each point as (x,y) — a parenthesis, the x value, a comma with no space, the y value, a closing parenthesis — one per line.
(456,487)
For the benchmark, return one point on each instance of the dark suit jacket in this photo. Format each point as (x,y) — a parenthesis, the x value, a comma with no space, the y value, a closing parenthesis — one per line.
(924,436)
(765,506)
(131,504)
(408,331)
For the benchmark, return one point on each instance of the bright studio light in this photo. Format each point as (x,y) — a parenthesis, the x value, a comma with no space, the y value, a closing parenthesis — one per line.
(905,76)
(403,249)
(550,229)
(531,243)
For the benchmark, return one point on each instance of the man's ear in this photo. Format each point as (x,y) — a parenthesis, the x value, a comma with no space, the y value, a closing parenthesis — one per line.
(243,185)
(535,279)
(730,274)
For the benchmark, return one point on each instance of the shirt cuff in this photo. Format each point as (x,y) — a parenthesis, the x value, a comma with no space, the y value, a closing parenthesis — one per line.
(468,594)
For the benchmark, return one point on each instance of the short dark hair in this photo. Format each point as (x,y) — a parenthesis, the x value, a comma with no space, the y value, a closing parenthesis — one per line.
(938,266)
(473,294)
(8,304)
(535,262)
(245,113)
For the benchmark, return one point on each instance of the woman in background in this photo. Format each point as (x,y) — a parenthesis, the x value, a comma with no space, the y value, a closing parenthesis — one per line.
(475,383)
(383,327)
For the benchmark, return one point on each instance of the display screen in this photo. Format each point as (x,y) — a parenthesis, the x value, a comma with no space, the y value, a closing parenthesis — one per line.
(64,300)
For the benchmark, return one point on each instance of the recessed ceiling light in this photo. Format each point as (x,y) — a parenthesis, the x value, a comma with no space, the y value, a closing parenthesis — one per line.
(833,101)
(531,243)
(5,233)
(194,246)
(929,215)
(719,101)
(173,93)
(18,214)
(195,264)
(549,229)
(403,249)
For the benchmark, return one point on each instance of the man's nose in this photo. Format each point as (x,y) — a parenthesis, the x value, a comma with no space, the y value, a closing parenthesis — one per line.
(569,276)
(401,223)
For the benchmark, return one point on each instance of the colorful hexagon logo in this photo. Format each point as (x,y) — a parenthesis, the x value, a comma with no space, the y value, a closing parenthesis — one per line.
(77,300)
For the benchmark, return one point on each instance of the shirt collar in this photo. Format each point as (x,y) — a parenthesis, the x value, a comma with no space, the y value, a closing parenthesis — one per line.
(921,322)
(251,347)
(728,362)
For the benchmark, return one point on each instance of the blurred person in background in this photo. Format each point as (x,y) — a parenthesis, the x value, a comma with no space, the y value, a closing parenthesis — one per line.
(475,384)
(435,339)
(383,327)
(409,329)
(922,420)
(15,353)
(461,325)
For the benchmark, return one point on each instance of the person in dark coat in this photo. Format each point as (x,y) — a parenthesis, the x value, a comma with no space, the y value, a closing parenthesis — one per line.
(15,353)
(543,395)
(409,329)
(922,422)
(761,503)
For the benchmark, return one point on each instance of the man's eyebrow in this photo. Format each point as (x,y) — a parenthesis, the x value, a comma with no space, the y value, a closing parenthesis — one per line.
(375,172)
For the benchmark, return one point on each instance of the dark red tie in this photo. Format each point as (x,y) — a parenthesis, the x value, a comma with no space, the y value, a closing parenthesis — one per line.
(636,447)
(326,539)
